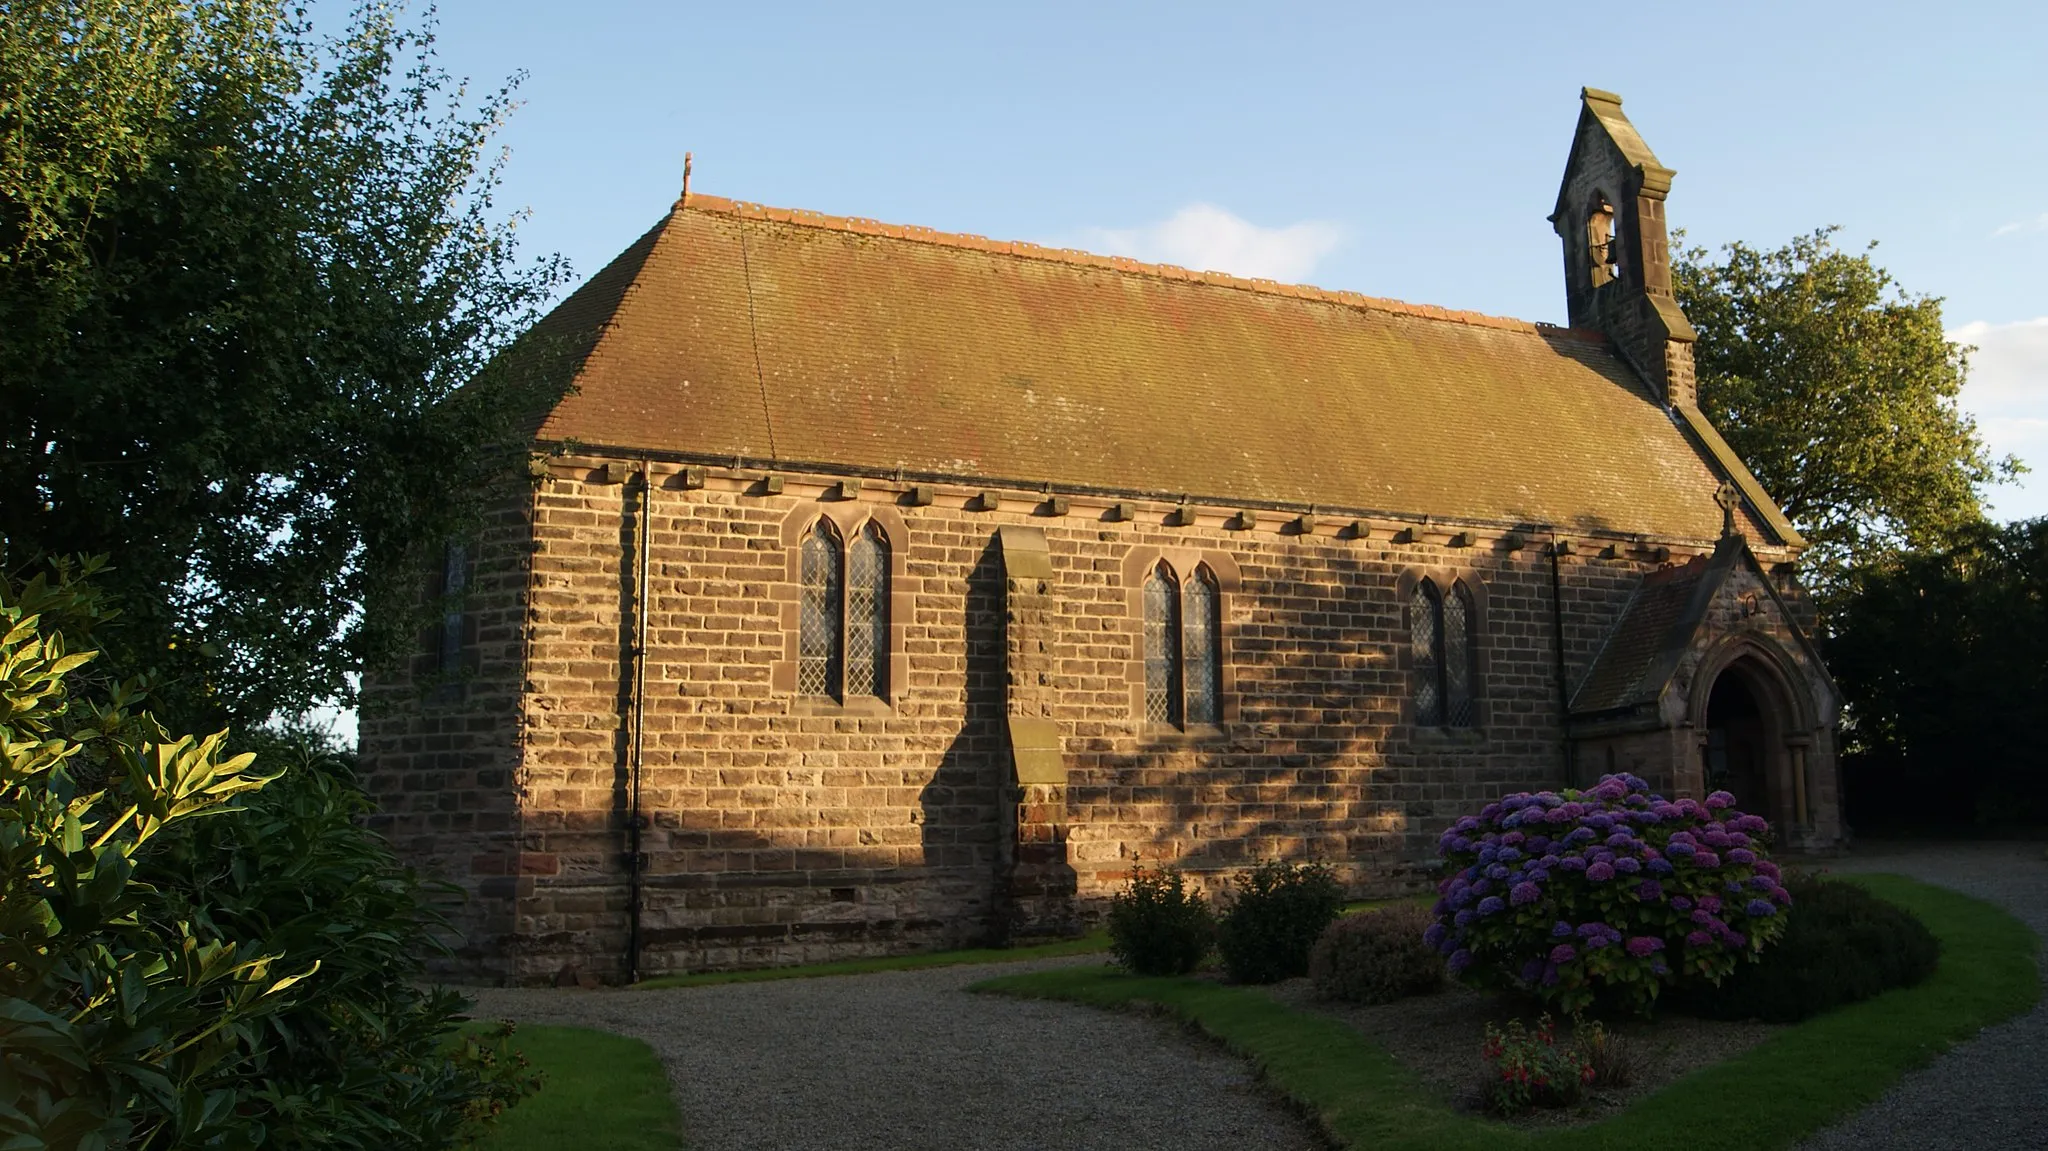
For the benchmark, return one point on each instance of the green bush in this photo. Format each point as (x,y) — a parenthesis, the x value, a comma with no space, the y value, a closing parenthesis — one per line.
(193,953)
(1376,956)
(1841,945)
(1157,926)
(1276,915)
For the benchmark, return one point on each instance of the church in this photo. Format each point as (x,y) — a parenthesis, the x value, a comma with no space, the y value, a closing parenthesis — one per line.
(877,589)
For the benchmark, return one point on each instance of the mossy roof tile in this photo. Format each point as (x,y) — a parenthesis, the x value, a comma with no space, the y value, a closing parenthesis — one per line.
(730,329)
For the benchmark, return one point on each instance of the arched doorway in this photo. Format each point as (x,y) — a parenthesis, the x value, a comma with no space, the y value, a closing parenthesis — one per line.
(1742,735)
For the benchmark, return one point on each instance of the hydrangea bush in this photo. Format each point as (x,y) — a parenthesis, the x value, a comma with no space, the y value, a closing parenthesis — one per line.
(1611,892)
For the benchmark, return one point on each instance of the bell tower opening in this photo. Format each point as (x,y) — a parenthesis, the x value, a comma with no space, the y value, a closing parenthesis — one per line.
(1603,241)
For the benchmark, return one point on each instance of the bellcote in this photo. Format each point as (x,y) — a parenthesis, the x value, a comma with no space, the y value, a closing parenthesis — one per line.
(1617,251)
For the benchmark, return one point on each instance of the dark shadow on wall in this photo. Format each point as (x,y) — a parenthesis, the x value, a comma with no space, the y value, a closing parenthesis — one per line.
(960,809)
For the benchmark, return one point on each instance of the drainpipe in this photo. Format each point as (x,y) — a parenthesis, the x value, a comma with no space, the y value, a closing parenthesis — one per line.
(1557,644)
(635,711)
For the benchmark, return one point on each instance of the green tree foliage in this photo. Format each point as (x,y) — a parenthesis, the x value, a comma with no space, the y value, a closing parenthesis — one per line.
(1939,656)
(243,269)
(195,951)
(1839,390)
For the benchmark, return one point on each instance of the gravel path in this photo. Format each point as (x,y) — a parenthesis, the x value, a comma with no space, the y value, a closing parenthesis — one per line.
(1990,1093)
(910,1060)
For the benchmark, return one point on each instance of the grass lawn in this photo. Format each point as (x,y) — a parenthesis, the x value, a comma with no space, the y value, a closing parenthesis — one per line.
(1769,1096)
(603,1092)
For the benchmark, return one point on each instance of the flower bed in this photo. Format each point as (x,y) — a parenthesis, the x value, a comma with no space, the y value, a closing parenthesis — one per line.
(1609,893)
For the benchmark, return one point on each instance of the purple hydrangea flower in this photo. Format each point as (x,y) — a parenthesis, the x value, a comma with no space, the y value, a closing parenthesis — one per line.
(1563,953)
(1699,915)
(1593,930)
(1628,865)
(1600,872)
(1649,891)
(1660,866)
(1642,946)
(1509,854)
(1680,903)
(1760,908)
(1460,960)
(1580,835)
(1491,904)
(1560,930)
(1572,863)
(1697,938)
(1524,893)
(1611,790)
(1538,875)
(1487,853)
(1711,902)
(1497,871)
(1715,837)
(1705,859)
(1548,860)
(1741,855)
(1434,934)
(1659,968)
(1600,822)
(1766,867)
(1753,824)
(1550,975)
(1464,918)
(1677,850)
(1621,839)
(1467,823)
(1490,812)
(1719,800)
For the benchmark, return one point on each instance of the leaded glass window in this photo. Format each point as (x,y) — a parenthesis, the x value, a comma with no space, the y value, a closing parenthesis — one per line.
(1425,633)
(867,613)
(1203,663)
(821,638)
(454,581)
(1459,710)
(1162,648)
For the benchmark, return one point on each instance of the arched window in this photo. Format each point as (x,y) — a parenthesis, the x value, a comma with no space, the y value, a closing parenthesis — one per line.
(821,644)
(1459,671)
(867,613)
(1200,654)
(1425,635)
(1162,648)
(1443,655)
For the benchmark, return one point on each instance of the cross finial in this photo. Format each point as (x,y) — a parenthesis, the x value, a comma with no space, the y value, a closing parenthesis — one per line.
(686,177)
(1728,498)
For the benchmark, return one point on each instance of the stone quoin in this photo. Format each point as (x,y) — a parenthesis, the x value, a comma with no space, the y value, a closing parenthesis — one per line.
(876,589)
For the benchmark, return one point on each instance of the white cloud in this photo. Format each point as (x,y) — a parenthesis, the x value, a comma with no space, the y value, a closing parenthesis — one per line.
(1205,237)
(2008,393)
(2037,224)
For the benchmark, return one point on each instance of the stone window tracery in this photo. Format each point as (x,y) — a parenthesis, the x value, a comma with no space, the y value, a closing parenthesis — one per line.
(1443,655)
(1183,649)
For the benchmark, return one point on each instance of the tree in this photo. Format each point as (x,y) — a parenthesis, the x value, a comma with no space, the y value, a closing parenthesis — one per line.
(243,272)
(1838,389)
(1938,653)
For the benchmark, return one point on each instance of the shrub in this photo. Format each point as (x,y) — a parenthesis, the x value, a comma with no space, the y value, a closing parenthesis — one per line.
(1157,926)
(1376,956)
(1841,944)
(1611,893)
(1532,1069)
(1275,916)
(193,953)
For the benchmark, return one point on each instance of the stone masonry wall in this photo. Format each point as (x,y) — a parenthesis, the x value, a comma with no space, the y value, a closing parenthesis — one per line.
(781,828)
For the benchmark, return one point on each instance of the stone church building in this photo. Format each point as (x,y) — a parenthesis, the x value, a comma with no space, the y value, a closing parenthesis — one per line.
(878,588)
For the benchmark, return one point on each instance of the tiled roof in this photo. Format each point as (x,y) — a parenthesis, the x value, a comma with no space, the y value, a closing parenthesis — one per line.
(1657,625)
(735,330)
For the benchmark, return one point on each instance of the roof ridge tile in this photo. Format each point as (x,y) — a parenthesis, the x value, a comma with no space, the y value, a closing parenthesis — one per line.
(1022,249)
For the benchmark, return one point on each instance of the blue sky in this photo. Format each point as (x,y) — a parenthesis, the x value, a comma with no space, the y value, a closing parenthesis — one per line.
(1406,150)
